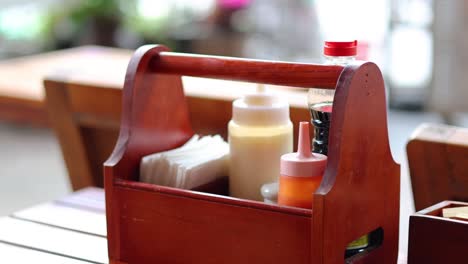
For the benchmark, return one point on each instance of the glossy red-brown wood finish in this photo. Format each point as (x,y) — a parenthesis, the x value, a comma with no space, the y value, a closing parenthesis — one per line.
(156,224)
(360,189)
(237,69)
(434,239)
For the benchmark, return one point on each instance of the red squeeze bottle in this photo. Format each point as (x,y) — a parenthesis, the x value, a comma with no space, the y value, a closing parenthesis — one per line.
(301,173)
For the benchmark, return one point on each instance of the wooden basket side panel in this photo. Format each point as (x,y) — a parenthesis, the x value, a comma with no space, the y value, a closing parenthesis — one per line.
(172,229)
(154,118)
(360,191)
(154,114)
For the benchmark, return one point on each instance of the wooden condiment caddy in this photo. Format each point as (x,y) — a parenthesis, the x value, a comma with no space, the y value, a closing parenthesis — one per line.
(156,224)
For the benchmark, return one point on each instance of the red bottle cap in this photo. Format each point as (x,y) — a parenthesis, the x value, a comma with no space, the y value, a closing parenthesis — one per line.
(340,48)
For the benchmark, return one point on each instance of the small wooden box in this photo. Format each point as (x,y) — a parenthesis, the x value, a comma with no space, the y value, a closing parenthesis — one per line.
(155,224)
(435,239)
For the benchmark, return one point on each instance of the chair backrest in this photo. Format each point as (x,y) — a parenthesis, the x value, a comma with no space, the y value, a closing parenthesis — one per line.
(438,164)
(86,120)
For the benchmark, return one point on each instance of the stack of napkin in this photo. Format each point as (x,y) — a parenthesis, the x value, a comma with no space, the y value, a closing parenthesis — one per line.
(197,162)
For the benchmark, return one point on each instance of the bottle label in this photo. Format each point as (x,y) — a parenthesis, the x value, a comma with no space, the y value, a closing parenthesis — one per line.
(321,118)
(359,243)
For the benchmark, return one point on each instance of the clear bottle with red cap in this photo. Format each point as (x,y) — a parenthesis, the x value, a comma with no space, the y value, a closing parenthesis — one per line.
(321,105)
(321,100)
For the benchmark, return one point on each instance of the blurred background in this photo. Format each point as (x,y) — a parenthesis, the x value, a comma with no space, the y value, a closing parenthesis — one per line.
(398,35)
(420,46)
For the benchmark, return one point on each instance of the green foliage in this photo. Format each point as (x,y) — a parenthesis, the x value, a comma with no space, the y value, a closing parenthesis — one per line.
(95,8)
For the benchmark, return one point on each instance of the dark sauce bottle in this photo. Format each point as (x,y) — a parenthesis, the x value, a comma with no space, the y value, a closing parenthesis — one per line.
(320,119)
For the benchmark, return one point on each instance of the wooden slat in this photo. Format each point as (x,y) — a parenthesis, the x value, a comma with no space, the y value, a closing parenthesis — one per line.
(62,216)
(55,240)
(90,198)
(21,255)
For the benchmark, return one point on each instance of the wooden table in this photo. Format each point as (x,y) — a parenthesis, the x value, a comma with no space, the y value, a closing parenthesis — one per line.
(71,230)
(21,89)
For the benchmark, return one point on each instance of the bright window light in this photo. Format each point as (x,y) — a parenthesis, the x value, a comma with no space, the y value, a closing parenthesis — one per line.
(346,20)
(151,9)
(22,21)
(411,56)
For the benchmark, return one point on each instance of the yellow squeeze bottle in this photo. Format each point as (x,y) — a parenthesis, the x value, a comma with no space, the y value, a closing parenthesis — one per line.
(259,133)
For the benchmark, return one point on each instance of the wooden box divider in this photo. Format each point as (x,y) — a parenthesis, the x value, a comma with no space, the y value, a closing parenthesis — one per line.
(156,224)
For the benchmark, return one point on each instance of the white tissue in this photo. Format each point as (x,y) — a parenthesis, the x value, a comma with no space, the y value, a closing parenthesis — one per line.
(199,161)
